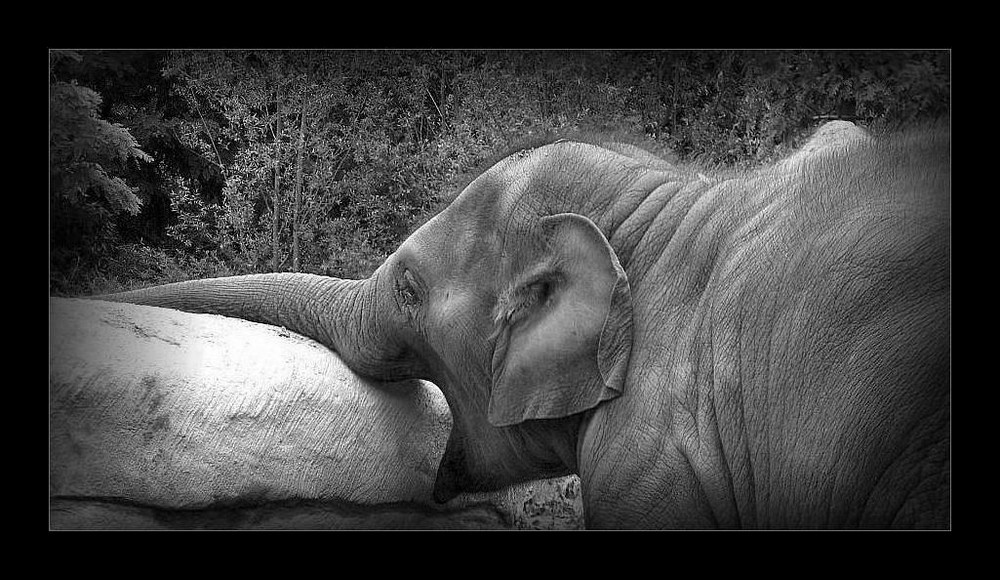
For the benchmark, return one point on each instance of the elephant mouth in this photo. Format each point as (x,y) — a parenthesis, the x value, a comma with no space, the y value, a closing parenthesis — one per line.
(482,458)
(452,478)
(456,476)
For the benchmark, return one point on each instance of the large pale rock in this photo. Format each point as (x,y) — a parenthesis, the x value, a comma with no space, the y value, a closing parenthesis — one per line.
(164,419)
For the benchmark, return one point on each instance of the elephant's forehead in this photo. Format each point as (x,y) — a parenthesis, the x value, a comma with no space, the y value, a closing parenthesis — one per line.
(524,181)
(503,203)
(454,238)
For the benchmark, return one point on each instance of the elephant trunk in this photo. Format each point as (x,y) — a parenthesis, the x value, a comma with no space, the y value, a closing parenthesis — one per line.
(340,314)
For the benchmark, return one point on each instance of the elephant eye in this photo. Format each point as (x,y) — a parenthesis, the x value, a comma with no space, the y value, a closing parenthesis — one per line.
(406,288)
(543,290)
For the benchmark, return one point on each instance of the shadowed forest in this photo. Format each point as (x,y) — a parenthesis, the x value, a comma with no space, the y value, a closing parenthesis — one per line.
(170,165)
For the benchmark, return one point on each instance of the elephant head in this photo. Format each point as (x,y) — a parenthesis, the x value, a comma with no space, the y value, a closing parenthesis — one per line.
(519,311)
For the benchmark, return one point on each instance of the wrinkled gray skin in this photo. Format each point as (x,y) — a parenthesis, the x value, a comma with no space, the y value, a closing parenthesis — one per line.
(767,349)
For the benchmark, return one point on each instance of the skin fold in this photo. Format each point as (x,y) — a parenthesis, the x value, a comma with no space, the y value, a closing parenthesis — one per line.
(756,349)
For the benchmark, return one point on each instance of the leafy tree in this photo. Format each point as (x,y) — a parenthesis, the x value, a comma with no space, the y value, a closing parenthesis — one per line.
(87,152)
(87,157)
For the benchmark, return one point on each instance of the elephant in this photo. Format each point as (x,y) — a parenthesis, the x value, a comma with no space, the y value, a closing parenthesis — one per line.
(763,348)
(161,419)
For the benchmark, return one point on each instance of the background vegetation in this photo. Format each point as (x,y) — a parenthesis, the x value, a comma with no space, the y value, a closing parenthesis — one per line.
(168,165)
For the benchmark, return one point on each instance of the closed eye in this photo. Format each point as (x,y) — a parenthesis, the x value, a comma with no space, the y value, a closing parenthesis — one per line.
(543,289)
(407,288)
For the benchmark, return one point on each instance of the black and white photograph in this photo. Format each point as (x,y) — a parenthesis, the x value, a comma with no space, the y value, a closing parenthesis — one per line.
(499,289)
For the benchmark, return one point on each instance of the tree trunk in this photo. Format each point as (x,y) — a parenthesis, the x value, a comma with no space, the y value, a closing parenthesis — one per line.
(673,104)
(275,215)
(296,208)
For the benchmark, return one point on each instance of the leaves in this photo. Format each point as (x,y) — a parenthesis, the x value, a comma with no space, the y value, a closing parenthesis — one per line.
(86,151)
(389,133)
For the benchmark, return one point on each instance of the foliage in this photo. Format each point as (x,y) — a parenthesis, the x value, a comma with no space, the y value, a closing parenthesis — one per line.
(87,157)
(174,164)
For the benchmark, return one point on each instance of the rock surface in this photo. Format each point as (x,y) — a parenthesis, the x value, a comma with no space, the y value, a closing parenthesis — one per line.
(161,419)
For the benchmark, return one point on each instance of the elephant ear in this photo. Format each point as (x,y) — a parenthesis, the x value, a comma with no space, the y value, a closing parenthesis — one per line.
(564,327)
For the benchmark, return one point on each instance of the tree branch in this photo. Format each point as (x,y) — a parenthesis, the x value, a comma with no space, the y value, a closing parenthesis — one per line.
(433,100)
(194,151)
(211,139)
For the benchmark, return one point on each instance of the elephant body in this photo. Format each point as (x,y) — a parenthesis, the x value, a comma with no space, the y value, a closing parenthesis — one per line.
(761,349)
(804,381)
(161,419)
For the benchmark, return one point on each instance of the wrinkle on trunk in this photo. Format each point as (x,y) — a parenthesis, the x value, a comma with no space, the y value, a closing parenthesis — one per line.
(340,314)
